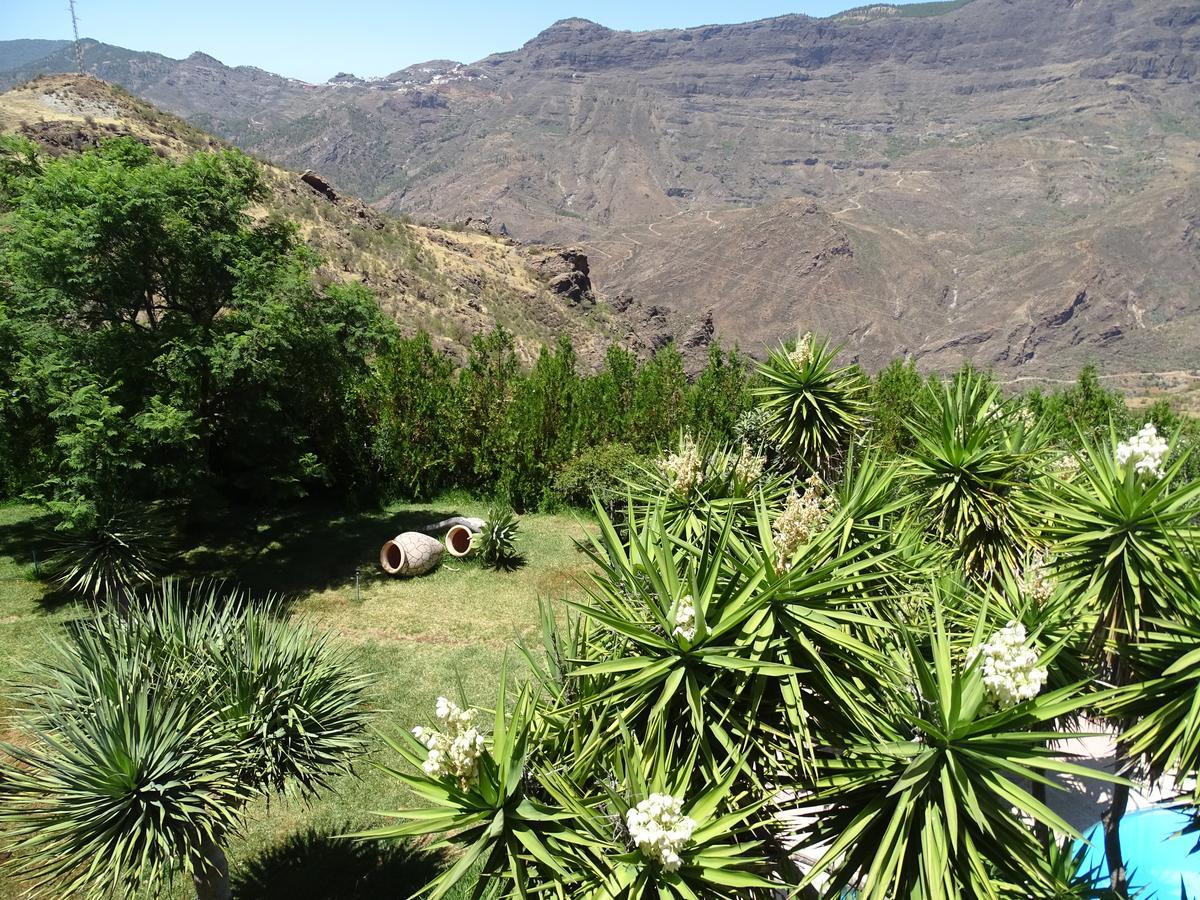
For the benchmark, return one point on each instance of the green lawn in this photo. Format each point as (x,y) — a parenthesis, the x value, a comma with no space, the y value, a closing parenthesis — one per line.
(417,638)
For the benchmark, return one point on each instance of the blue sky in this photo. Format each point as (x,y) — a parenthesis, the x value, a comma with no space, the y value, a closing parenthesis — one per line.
(314,40)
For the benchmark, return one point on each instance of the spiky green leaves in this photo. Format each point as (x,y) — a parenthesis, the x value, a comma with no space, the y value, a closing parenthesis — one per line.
(814,407)
(939,808)
(1126,541)
(153,727)
(496,543)
(106,803)
(118,552)
(970,475)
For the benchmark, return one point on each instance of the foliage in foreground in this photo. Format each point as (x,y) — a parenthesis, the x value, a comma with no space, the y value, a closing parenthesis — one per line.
(152,727)
(842,670)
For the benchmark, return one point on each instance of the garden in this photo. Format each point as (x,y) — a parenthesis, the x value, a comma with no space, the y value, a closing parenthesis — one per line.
(785,628)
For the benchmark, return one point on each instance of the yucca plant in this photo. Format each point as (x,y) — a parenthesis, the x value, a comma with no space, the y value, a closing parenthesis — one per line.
(667,621)
(530,827)
(936,808)
(107,557)
(694,483)
(487,806)
(970,474)
(496,543)
(1162,700)
(815,408)
(662,827)
(154,725)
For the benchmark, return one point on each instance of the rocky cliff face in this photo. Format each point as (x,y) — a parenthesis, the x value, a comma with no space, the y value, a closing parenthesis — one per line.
(944,185)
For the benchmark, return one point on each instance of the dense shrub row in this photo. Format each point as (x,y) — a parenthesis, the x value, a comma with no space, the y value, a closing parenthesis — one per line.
(159,342)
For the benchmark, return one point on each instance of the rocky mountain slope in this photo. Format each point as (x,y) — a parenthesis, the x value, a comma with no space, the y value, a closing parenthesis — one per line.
(452,282)
(1015,182)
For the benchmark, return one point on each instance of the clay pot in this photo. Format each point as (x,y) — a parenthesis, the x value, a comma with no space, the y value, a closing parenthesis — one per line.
(458,540)
(411,553)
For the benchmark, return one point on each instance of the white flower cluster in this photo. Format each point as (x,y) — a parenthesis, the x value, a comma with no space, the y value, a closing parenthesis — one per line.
(683,469)
(1011,674)
(685,618)
(1146,450)
(1035,580)
(749,466)
(801,518)
(1065,467)
(455,750)
(803,352)
(660,830)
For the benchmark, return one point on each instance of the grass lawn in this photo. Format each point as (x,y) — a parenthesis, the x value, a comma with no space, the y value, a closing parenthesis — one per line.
(418,638)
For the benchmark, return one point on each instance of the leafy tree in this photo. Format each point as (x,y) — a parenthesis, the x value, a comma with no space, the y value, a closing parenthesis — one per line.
(896,400)
(414,429)
(1086,409)
(720,393)
(482,397)
(544,418)
(170,338)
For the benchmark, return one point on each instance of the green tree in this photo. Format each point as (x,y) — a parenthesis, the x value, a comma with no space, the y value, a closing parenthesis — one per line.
(414,429)
(895,401)
(173,340)
(485,390)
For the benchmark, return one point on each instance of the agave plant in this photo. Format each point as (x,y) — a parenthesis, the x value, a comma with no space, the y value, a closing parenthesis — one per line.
(970,475)
(108,557)
(496,543)
(814,407)
(154,725)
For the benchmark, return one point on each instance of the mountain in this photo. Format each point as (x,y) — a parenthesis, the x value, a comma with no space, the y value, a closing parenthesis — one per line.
(451,282)
(1014,182)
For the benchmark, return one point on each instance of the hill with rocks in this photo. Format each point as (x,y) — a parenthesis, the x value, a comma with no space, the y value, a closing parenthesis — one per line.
(450,281)
(1012,182)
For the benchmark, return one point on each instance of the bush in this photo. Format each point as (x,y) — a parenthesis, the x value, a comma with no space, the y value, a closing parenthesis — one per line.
(109,556)
(148,734)
(599,472)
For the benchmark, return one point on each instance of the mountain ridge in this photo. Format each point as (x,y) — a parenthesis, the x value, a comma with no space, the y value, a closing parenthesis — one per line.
(1008,182)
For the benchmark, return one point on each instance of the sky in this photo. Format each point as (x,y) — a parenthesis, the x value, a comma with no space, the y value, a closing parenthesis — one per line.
(315,40)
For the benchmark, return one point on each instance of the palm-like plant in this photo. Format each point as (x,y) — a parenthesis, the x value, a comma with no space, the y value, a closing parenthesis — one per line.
(928,811)
(970,474)
(1162,700)
(155,725)
(1124,536)
(720,857)
(695,483)
(114,554)
(814,407)
(495,814)
(104,804)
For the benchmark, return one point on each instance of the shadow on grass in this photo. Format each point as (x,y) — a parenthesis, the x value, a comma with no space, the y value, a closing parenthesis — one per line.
(28,540)
(308,547)
(318,865)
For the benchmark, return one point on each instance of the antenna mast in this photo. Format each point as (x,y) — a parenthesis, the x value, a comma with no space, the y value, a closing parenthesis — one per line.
(75,28)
